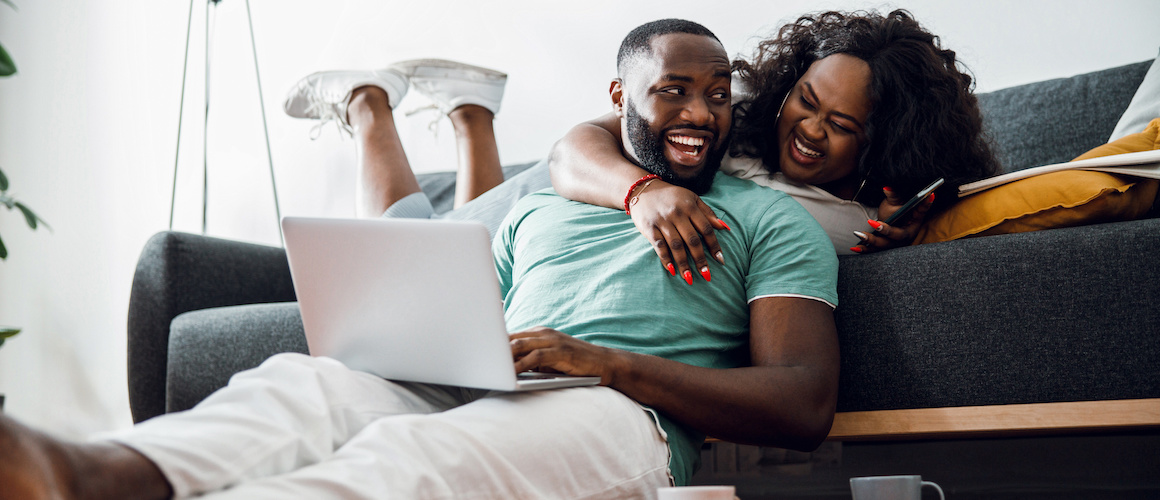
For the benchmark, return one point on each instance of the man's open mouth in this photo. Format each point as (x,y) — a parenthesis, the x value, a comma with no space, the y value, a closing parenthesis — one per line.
(687,144)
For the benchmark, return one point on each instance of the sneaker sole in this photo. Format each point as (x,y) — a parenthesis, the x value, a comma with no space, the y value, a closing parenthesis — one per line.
(443,68)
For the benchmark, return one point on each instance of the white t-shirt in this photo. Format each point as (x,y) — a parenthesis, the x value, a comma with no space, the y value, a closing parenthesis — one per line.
(840,218)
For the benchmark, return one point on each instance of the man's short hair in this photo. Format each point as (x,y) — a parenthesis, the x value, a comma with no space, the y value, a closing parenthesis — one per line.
(639,41)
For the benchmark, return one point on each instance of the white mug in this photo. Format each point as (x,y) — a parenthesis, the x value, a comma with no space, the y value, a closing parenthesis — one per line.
(697,493)
(890,488)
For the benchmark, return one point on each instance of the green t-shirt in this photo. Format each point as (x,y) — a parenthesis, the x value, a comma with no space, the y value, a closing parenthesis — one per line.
(586,271)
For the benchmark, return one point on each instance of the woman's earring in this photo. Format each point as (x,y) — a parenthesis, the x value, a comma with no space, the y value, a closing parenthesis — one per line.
(860,186)
(779,108)
(859,191)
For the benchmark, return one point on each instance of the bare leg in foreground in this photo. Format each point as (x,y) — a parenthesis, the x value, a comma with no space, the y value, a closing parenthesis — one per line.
(34,466)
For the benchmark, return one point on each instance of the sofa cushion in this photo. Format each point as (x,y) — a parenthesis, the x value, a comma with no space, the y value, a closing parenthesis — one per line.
(1053,200)
(1036,124)
(208,346)
(1046,316)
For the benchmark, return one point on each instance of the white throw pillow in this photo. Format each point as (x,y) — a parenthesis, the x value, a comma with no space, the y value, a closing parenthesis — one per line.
(1145,105)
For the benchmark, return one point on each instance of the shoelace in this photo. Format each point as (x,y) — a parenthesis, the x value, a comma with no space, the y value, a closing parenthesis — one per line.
(439,114)
(427,88)
(327,112)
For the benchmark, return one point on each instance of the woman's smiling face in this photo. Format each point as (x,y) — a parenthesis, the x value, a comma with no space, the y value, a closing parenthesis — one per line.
(823,124)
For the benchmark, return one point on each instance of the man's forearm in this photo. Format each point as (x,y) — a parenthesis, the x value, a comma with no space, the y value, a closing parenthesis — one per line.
(784,406)
(786,399)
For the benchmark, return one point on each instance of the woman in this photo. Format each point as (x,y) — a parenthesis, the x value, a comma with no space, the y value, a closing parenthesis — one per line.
(850,113)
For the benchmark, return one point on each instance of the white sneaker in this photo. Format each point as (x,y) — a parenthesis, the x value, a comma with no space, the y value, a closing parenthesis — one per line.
(325,95)
(451,84)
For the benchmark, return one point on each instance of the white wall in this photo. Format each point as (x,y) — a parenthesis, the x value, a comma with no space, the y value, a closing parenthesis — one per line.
(89,125)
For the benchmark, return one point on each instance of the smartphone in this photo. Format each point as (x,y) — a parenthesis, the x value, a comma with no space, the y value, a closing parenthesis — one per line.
(905,209)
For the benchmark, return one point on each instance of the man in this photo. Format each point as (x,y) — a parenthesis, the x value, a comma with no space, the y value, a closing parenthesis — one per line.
(750,357)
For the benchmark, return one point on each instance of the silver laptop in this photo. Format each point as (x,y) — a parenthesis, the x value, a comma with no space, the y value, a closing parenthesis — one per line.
(407,299)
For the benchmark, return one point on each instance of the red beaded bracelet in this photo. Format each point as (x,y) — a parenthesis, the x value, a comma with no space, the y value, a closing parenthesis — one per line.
(629,199)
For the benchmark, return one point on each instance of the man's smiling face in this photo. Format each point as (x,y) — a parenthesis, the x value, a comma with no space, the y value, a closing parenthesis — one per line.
(675,109)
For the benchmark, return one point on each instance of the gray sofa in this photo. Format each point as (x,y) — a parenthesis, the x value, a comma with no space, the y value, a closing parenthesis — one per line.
(1050,316)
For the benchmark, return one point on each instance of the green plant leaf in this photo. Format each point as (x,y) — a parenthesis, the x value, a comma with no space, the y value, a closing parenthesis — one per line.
(7,66)
(3,250)
(3,181)
(6,333)
(31,218)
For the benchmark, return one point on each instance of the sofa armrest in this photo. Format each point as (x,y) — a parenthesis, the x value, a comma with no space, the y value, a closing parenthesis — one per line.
(1040,317)
(180,272)
(208,346)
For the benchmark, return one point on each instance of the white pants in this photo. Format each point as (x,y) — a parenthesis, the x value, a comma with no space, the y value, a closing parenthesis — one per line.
(303,427)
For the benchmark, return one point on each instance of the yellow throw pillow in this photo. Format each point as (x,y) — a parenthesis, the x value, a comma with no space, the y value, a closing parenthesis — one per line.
(1058,199)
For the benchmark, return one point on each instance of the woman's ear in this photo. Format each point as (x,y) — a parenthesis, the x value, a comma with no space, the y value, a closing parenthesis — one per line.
(616,91)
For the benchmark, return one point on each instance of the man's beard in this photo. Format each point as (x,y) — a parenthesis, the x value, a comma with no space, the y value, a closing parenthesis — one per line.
(650,152)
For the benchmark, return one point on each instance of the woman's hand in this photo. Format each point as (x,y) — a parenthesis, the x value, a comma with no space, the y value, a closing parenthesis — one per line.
(678,225)
(547,350)
(902,233)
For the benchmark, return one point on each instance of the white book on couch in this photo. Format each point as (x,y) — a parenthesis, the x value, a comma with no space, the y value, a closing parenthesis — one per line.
(1140,164)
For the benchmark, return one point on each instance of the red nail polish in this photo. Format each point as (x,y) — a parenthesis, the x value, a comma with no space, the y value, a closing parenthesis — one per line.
(874,224)
(727,228)
(688,275)
(932,197)
(887,189)
(856,249)
(672,270)
(705,273)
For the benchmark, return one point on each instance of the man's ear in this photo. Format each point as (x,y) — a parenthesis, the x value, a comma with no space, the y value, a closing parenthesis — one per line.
(616,91)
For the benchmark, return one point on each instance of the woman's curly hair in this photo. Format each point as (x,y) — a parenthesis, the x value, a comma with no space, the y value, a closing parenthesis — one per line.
(924,121)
